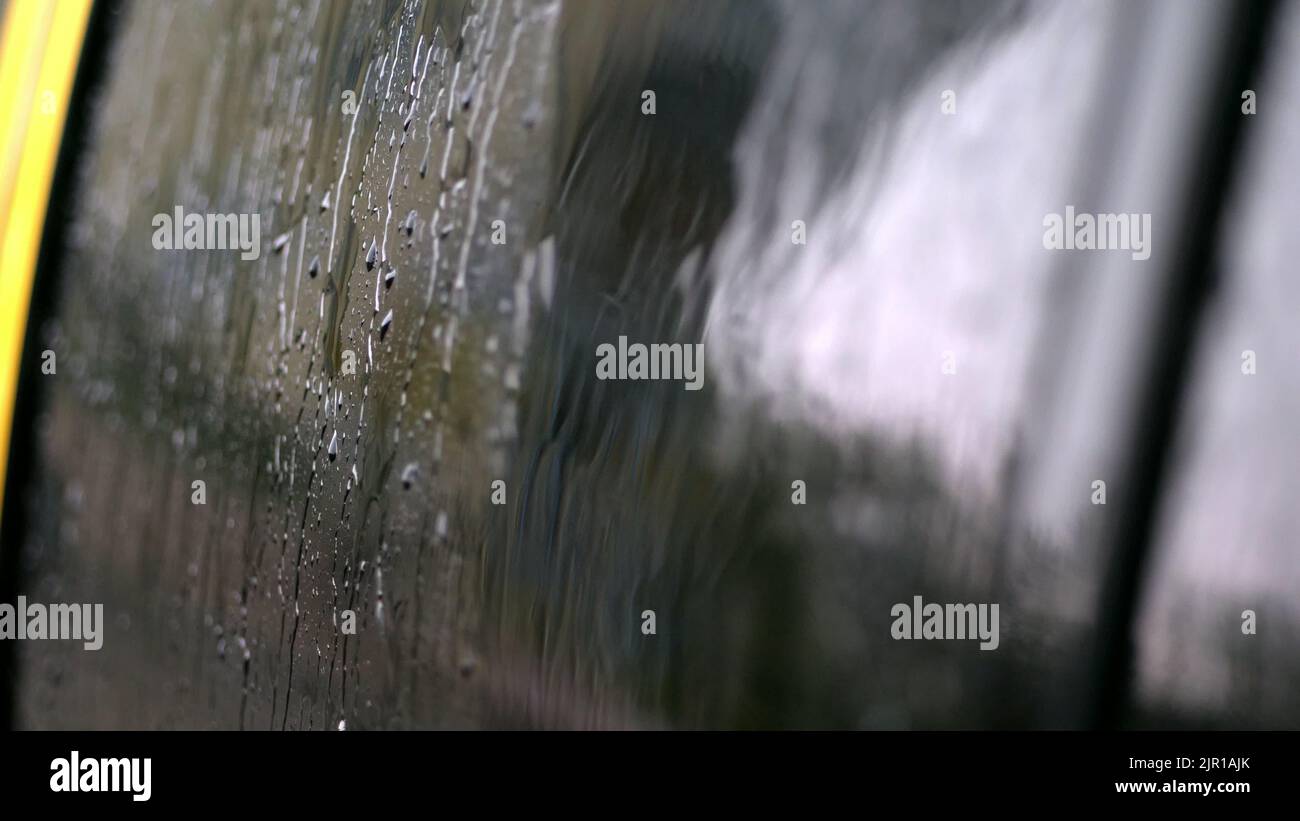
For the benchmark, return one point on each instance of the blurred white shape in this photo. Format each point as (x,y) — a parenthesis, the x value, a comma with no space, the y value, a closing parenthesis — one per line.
(932,243)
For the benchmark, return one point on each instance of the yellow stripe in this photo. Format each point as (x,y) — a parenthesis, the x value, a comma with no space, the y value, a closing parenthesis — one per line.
(19,68)
(38,54)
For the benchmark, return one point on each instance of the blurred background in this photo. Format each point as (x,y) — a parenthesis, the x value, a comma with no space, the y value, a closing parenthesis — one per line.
(947,389)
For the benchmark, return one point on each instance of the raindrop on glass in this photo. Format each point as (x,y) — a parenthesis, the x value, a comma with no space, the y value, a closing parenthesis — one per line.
(409,475)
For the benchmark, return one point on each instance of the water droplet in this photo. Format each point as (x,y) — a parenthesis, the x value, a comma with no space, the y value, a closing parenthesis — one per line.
(409,225)
(280,242)
(409,475)
(532,114)
(468,665)
(389,278)
(383,326)
(333,450)
(325,202)
(370,256)
(314,268)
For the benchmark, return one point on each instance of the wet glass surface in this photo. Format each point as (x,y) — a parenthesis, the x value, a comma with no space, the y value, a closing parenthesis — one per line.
(394,411)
